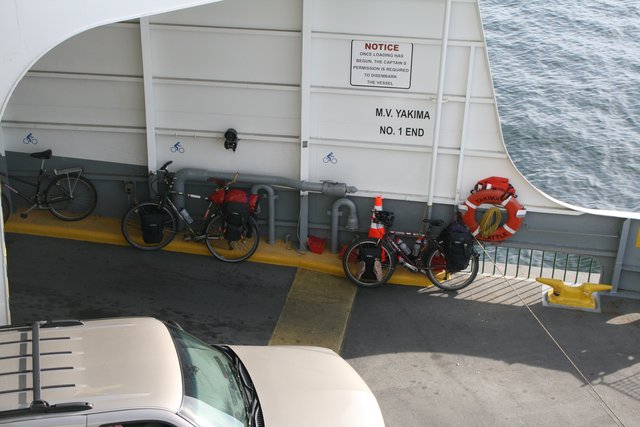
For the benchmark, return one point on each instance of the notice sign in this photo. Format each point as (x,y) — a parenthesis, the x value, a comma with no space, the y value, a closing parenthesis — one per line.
(381,64)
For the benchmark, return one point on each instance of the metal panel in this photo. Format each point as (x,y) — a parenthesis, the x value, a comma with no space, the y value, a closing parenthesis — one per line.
(465,21)
(199,107)
(272,15)
(394,173)
(255,156)
(82,101)
(226,55)
(118,53)
(404,18)
(101,144)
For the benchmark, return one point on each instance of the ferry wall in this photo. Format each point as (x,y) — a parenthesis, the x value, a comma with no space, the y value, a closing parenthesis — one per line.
(392,97)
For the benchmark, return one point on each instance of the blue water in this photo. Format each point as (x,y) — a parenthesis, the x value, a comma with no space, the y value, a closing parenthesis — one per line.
(567,81)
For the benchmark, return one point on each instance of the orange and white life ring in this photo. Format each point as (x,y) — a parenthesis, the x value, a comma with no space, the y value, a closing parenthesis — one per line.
(514,209)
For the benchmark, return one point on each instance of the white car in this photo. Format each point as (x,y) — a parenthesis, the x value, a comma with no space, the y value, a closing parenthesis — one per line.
(142,372)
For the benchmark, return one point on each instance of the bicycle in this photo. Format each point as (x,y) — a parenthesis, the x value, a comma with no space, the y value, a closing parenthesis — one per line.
(370,262)
(152,225)
(69,195)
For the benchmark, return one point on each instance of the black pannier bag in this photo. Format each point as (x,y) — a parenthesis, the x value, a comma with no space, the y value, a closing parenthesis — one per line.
(457,243)
(236,215)
(152,221)
(369,265)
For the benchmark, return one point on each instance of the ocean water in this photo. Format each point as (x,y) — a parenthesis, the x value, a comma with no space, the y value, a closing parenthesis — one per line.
(567,81)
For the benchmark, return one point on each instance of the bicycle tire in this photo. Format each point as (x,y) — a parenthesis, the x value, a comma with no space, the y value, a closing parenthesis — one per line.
(71,198)
(131,226)
(6,207)
(354,267)
(226,250)
(436,269)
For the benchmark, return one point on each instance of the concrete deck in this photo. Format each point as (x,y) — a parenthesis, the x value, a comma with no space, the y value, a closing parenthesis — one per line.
(488,355)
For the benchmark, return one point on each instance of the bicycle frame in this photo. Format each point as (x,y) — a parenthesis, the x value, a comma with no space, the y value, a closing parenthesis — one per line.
(405,259)
(36,200)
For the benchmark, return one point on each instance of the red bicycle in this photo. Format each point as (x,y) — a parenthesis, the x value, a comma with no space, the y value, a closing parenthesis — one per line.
(369,262)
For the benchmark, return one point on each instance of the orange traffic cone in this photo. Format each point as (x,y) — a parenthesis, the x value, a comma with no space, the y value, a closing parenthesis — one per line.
(376,230)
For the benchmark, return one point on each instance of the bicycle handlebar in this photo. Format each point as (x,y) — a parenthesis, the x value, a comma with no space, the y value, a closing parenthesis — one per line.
(164,167)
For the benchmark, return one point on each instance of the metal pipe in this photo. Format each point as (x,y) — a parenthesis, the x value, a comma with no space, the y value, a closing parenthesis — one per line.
(352,221)
(336,189)
(271,219)
(436,131)
(303,220)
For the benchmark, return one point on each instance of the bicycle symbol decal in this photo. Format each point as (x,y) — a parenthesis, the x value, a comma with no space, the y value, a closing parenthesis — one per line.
(330,158)
(30,139)
(177,148)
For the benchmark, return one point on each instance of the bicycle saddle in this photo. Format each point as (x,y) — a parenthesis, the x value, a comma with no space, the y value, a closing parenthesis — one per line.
(434,222)
(46,154)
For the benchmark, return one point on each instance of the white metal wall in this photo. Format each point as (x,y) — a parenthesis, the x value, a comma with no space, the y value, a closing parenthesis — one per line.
(281,73)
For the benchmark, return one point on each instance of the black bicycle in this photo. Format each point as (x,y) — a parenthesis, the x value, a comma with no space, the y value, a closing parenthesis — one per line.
(370,262)
(152,225)
(68,196)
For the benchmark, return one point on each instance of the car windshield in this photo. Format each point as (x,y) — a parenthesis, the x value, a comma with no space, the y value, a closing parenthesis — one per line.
(212,390)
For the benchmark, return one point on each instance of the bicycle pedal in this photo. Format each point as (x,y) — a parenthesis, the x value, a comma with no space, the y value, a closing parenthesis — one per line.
(187,238)
(23,215)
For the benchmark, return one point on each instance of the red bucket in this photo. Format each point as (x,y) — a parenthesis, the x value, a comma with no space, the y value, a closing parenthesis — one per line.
(316,244)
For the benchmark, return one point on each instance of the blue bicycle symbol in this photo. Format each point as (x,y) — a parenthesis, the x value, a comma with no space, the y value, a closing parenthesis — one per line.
(30,139)
(177,148)
(330,158)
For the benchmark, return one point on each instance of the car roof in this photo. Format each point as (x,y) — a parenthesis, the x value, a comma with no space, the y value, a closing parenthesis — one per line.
(112,364)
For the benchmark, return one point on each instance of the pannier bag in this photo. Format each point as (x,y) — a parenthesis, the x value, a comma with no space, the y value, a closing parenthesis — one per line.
(220,197)
(152,221)
(236,215)
(457,245)
(369,265)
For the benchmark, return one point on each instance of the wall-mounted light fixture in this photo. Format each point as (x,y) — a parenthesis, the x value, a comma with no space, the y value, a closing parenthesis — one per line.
(231,139)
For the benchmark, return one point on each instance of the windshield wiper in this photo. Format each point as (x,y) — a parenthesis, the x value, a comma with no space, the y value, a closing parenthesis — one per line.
(252,403)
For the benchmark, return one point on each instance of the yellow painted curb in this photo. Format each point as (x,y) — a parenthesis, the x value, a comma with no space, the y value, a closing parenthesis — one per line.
(106,230)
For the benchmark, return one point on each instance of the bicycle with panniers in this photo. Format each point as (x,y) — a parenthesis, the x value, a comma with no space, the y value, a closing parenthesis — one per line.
(227,225)
(450,260)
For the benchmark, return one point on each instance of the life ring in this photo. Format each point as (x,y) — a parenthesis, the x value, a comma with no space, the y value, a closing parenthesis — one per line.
(514,209)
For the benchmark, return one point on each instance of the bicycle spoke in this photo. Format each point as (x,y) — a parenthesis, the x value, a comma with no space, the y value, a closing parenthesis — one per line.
(71,198)
(436,267)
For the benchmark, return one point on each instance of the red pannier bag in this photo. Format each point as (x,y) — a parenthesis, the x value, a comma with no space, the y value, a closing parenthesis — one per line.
(220,197)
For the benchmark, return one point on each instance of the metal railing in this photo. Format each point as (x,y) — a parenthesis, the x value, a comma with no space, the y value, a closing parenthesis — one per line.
(529,264)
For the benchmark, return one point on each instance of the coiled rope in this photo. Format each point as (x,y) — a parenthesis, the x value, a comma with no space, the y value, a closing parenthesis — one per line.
(490,221)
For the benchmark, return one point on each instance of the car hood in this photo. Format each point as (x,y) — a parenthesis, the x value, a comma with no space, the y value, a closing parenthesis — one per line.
(309,386)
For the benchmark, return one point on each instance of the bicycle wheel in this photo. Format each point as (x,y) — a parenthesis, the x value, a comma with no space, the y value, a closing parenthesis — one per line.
(6,207)
(231,251)
(71,198)
(437,273)
(368,262)
(148,227)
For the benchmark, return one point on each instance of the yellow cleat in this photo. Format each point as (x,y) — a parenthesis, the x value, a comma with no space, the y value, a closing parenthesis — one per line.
(573,296)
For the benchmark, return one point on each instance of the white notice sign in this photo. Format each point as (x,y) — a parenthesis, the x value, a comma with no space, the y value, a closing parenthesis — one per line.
(381,64)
